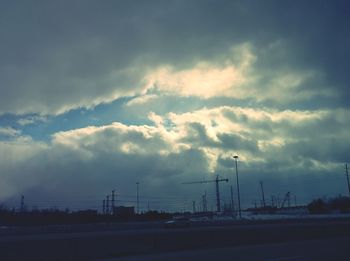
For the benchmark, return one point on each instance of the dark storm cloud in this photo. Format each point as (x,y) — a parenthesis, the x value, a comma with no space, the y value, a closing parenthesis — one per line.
(325,149)
(197,134)
(235,142)
(61,55)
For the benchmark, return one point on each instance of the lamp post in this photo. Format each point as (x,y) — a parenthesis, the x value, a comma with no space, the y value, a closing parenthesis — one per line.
(239,199)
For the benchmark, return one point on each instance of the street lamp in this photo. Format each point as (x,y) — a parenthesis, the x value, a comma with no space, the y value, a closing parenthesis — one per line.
(239,199)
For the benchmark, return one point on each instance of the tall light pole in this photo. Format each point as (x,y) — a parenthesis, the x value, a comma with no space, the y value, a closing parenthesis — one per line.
(137,198)
(347,177)
(239,199)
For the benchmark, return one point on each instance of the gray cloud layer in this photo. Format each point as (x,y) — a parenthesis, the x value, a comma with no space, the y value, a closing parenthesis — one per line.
(62,55)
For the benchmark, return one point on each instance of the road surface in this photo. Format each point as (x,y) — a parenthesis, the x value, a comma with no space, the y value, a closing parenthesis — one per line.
(320,249)
(95,244)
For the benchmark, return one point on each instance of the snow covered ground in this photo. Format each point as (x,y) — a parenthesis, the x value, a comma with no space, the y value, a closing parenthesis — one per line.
(251,216)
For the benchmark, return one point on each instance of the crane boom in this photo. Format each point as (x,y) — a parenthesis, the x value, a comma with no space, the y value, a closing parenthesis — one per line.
(217,180)
(205,181)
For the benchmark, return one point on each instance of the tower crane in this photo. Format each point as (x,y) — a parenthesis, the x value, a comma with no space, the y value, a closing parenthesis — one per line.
(217,180)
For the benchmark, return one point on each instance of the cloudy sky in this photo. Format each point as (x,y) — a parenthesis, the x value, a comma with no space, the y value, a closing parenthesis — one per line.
(99,95)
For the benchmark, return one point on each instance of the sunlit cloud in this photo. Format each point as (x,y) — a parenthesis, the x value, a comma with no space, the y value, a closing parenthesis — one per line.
(236,77)
(205,79)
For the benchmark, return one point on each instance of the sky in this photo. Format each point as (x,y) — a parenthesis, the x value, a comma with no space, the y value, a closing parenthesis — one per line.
(99,95)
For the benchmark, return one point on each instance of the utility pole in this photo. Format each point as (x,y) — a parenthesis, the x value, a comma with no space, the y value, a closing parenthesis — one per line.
(113,198)
(137,198)
(239,199)
(22,203)
(203,204)
(218,205)
(107,205)
(262,193)
(232,204)
(104,206)
(204,200)
(194,206)
(347,177)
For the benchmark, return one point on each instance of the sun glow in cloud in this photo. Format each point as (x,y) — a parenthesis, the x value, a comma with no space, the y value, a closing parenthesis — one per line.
(237,77)
(205,79)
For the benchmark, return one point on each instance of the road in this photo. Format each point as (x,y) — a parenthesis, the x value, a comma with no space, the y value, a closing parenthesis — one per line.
(97,243)
(320,249)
